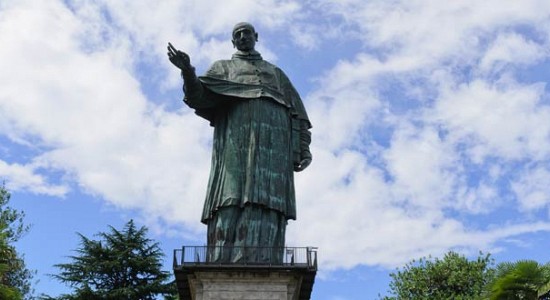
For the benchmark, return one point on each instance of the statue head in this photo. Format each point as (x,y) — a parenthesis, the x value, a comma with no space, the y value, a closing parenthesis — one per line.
(244,36)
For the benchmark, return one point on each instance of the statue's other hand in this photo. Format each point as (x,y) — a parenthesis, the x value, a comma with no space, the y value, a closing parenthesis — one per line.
(179,58)
(304,163)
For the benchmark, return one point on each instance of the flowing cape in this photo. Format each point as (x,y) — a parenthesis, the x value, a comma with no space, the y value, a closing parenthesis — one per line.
(250,79)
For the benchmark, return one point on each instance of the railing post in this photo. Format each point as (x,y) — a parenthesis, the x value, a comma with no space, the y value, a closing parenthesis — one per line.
(182,255)
(315,262)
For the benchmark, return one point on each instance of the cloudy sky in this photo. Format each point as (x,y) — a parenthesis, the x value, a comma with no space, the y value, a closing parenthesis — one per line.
(431,126)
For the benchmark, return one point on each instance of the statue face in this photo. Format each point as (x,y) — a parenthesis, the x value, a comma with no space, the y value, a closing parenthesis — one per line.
(244,39)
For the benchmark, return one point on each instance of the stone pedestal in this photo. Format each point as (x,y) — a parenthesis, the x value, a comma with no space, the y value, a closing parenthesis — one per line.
(246,285)
(253,283)
(290,279)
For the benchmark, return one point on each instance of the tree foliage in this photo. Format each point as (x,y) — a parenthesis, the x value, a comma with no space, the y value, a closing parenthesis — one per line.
(518,280)
(121,265)
(452,277)
(6,291)
(15,278)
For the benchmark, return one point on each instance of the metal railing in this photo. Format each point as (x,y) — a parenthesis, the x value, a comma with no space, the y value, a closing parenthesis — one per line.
(299,257)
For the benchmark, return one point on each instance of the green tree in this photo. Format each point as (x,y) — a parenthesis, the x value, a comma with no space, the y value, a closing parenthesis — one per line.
(452,277)
(121,265)
(6,291)
(523,280)
(15,278)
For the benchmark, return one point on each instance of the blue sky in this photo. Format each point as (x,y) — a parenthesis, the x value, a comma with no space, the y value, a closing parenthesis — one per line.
(430,130)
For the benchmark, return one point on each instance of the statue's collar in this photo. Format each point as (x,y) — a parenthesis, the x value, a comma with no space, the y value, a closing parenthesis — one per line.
(249,55)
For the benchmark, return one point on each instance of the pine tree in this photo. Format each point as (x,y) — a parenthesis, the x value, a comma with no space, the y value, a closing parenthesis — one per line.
(121,265)
(6,291)
(15,278)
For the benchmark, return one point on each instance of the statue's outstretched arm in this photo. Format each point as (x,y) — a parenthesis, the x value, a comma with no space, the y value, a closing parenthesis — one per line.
(195,93)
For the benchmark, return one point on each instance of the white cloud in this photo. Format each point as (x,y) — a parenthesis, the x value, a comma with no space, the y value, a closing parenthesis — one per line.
(24,177)
(432,30)
(191,25)
(73,91)
(532,189)
(422,166)
(305,36)
(511,48)
(480,199)
(439,147)
(89,110)
(504,120)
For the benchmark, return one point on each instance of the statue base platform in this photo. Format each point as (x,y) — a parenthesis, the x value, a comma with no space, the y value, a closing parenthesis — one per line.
(291,280)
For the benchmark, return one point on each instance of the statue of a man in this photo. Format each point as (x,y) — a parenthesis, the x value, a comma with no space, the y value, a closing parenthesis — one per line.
(261,135)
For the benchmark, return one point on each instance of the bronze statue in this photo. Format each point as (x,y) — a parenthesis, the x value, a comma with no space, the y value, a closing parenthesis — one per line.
(261,135)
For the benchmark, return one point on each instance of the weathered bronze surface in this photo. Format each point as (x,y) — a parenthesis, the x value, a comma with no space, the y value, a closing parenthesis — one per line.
(261,135)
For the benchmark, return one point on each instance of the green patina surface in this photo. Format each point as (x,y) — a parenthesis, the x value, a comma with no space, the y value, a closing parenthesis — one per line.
(261,136)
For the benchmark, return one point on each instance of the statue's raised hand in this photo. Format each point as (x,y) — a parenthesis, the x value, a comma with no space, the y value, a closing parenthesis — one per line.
(180,59)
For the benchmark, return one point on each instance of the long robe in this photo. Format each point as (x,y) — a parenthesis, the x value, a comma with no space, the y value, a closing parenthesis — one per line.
(253,107)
